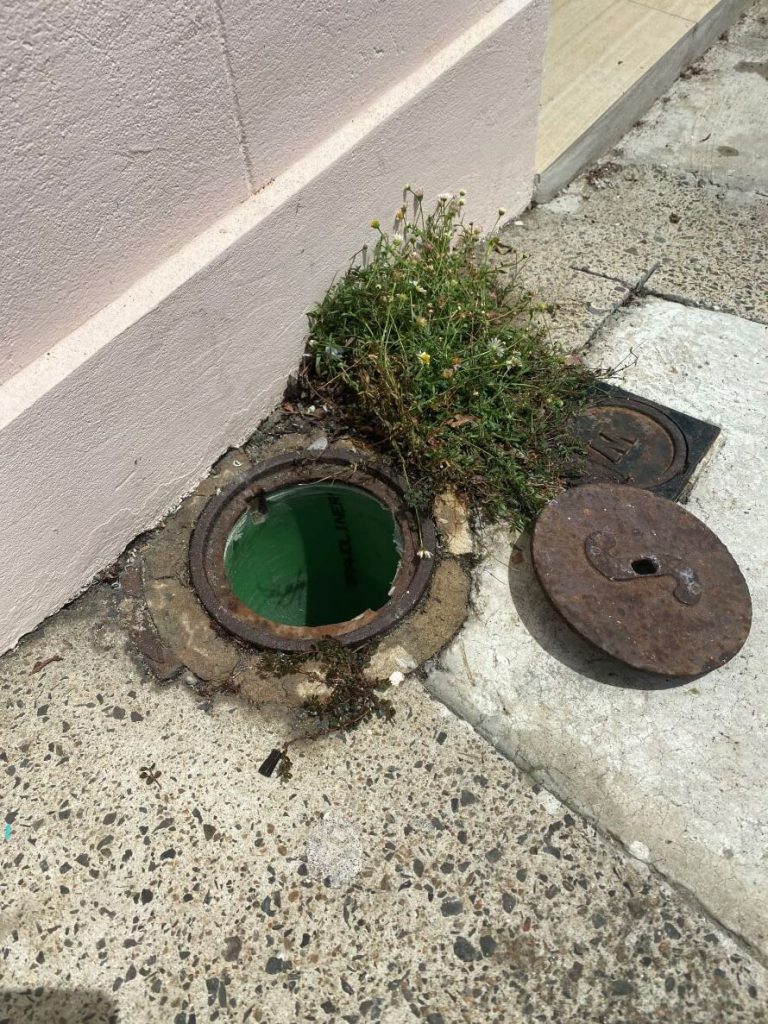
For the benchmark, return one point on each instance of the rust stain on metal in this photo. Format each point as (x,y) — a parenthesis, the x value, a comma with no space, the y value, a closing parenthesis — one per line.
(606,555)
(632,440)
(642,579)
(206,553)
(631,443)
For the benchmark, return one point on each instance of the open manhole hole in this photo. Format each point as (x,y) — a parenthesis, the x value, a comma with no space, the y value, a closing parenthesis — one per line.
(309,547)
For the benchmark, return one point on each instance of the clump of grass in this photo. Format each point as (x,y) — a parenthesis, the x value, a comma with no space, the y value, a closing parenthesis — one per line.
(431,341)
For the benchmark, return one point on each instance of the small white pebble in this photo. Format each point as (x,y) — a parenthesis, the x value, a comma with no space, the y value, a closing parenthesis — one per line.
(550,803)
(639,850)
(396,678)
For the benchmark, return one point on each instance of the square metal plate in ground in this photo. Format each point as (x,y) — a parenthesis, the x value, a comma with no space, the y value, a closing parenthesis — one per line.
(632,440)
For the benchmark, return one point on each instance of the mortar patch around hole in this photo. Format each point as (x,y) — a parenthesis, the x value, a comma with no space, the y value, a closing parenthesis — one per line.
(156,578)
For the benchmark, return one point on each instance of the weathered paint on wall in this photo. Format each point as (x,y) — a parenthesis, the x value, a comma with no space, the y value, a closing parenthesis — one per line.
(119,143)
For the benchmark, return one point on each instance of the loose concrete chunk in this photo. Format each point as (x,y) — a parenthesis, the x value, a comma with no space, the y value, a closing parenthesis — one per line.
(162,662)
(452,521)
(427,630)
(256,684)
(390,658)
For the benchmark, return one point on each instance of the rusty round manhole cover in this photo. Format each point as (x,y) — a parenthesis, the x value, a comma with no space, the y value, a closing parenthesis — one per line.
(311,546)
(631,442)
(642,579)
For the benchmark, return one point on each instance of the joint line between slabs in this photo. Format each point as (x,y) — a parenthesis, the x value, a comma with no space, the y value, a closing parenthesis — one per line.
(681,300)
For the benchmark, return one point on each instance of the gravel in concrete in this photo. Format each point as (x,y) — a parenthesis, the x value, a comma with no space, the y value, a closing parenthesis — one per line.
(582,301)
(708,244)
(410,873)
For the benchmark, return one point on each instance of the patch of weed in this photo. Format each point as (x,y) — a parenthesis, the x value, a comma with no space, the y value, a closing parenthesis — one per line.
(431,340)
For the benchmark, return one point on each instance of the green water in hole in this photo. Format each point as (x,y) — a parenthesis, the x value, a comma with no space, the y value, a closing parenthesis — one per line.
(322,553)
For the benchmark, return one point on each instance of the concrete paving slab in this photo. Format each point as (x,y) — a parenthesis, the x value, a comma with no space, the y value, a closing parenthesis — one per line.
(579,302)
(410,873)
(714,121)
(619,222)
(678,775)
(685,192)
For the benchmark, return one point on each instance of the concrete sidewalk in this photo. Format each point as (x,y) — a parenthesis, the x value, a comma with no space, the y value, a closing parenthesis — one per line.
(410,871)
(645,252)
(677,774)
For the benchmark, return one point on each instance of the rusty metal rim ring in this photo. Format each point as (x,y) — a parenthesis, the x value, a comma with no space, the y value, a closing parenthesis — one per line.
(653,412)
(206,551)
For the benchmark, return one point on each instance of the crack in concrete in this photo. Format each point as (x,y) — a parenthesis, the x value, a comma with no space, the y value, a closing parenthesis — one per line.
(236,108)
(639,290)
(600,274)
(634,292)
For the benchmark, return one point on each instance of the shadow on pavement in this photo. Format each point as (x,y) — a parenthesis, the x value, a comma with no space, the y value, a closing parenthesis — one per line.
(56,1006)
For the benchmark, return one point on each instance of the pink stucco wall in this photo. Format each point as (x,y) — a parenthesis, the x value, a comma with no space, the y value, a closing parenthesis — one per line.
(303,68)
(116,420)
(118,142)
(127,127)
